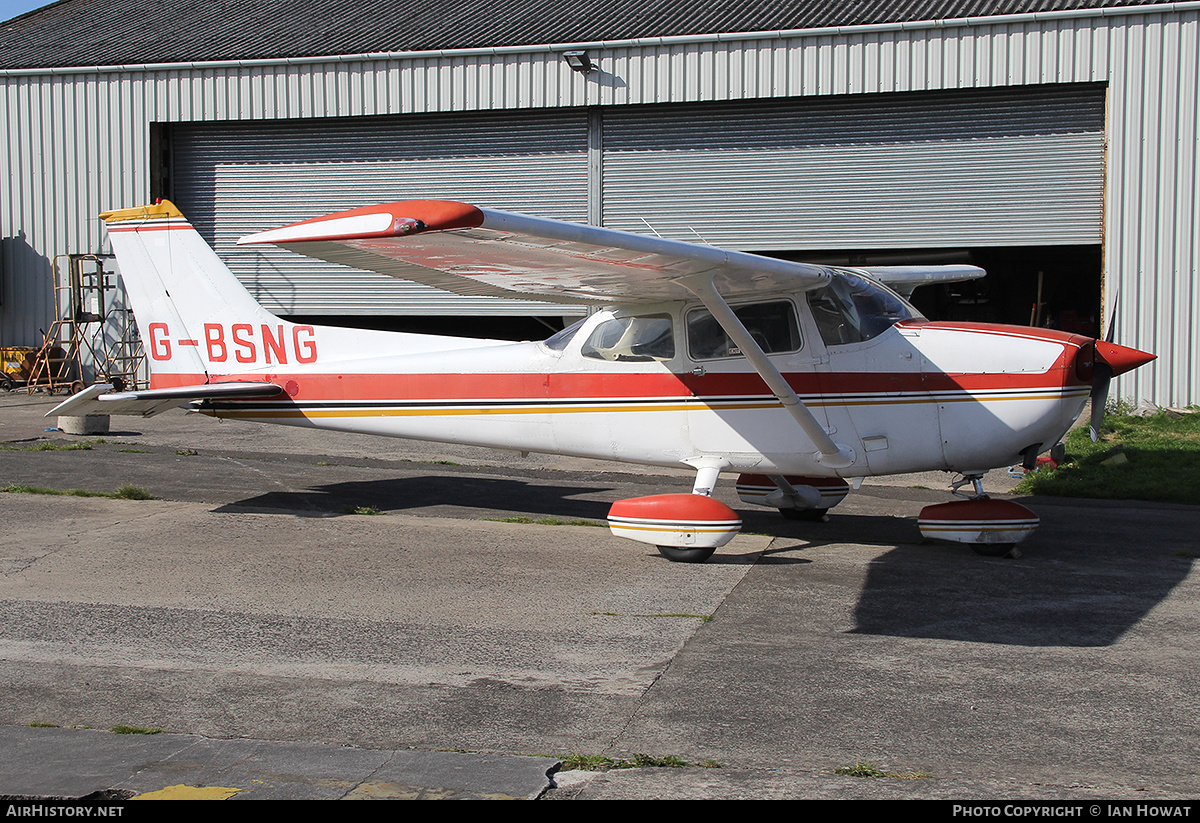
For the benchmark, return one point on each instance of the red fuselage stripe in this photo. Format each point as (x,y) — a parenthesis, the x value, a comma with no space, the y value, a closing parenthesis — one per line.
(366,387)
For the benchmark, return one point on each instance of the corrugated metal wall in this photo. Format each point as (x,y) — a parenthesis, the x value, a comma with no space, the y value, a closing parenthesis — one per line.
(1152,207)
(1004,167)
(77,141)
(236,179)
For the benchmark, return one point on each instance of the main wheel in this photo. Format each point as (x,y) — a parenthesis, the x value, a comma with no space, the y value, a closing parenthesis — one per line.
(678,555)
(803,514)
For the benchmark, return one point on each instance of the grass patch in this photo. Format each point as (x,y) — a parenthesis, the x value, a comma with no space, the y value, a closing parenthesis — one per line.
(1161,461)
(51,446)
(134,730)
(861,769)
(600,763)
(133,493)
(42,725)
(123,493)
(867,769)
(21,488)
(365,510)
(544,521)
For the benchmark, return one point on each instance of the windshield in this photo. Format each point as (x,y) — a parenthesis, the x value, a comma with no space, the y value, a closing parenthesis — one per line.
(853,308)
(559,340)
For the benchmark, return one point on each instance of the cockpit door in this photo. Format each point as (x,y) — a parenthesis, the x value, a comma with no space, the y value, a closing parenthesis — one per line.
(872,376)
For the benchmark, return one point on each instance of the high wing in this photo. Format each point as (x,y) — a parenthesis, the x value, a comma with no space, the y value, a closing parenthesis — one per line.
(101,399)
(475,251)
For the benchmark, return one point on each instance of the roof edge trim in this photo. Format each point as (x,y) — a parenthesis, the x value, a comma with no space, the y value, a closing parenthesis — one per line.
(683,39)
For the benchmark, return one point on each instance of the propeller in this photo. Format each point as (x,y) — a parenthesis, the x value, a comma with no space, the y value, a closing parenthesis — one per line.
(1101,376)
(1108,360)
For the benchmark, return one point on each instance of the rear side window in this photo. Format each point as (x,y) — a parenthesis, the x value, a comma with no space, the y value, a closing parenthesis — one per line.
(772,325)
(632,339)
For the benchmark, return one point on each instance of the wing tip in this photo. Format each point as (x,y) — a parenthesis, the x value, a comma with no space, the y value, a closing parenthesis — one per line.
(384,220)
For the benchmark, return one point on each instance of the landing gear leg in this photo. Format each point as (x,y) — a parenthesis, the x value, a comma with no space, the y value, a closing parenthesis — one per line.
(976,481)
(707,471)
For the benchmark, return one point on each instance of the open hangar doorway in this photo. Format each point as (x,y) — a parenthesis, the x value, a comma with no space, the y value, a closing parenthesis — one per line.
(1056,287)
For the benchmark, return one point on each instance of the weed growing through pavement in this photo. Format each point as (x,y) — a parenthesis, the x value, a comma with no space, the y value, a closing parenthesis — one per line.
(123,493)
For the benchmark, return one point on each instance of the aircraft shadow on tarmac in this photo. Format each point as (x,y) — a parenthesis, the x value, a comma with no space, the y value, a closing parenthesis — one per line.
(1075,584)
(449,495)
(461,495)
(1084,579)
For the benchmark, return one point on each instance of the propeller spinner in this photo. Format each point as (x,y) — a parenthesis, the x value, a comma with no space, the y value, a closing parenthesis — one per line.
(1108,360)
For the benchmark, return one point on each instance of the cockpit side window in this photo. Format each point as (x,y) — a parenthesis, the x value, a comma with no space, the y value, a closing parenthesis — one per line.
(632,339)
(772,325)
(853,308)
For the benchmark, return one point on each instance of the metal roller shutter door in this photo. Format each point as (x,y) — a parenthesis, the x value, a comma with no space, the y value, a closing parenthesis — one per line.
(233,179)
(979,168)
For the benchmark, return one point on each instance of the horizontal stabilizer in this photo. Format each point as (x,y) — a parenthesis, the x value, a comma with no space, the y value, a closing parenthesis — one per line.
(101,399)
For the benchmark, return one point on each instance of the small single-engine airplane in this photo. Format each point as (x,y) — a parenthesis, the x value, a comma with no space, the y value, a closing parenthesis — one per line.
(804,379)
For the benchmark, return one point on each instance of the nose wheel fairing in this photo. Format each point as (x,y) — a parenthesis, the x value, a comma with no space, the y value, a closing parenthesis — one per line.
(978,522)
(992,527)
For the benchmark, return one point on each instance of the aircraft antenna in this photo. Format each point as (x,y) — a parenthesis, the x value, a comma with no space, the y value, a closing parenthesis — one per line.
(656,234)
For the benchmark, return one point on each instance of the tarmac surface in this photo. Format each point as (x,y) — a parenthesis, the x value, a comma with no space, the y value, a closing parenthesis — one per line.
(315,615)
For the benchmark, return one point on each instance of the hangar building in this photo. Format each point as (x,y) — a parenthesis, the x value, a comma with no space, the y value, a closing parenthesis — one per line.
(1053,142)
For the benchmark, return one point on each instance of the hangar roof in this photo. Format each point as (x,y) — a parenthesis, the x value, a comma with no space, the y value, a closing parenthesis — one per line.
(121,32)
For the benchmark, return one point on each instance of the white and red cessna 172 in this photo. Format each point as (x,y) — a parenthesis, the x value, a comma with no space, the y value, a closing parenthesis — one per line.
(799,377)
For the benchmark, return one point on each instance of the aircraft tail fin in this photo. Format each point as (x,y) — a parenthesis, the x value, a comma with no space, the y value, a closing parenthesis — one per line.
(187,302)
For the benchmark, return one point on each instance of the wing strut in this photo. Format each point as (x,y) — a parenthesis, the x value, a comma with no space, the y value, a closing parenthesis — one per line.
(829,453)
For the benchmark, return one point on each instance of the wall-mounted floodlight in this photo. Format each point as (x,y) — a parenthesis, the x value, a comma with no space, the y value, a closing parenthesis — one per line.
(578,61)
